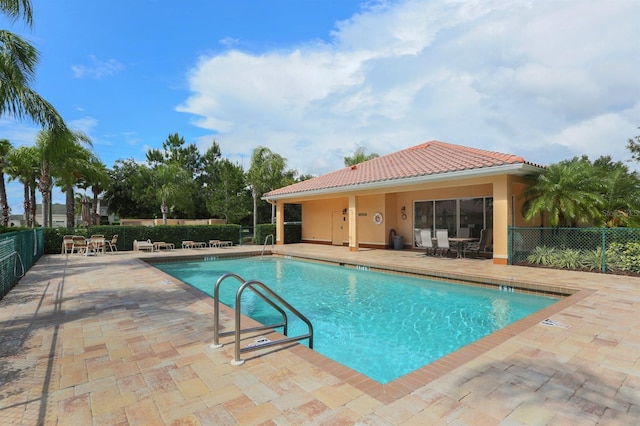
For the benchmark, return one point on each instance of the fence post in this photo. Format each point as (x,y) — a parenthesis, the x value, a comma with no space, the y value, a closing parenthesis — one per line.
(604,251)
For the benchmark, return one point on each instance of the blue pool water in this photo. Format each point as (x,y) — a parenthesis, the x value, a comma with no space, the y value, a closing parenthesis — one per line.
(381,325)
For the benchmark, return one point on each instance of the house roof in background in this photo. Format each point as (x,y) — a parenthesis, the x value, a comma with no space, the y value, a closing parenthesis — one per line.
(429,161)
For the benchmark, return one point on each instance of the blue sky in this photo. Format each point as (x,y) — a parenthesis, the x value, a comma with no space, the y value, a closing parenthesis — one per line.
(313,80)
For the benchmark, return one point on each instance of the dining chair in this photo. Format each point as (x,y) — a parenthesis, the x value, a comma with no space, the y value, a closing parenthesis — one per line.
(67,244)
(442,238)
(111,244)
(79,244)
(426,242)
(97,243)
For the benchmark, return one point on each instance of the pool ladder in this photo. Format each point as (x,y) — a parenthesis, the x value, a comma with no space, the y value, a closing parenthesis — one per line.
(264,246)
(269,296)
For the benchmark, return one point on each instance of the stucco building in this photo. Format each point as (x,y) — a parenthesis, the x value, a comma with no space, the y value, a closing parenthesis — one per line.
(434,185)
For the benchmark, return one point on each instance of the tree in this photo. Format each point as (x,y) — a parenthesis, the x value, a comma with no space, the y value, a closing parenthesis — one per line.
(633,145)
(52,148)
(127,194)
(18,60)
(187,157)
(98,179)
(5,149)
(360,156)
(23,165)
(566,193)
(69,171)
(265,174)
(620,193)
(227,196)
(172,187)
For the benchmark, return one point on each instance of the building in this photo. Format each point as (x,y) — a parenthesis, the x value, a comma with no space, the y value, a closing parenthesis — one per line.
(434,185)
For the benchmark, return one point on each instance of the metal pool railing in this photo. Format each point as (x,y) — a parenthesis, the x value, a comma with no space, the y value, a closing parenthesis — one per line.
(269,296)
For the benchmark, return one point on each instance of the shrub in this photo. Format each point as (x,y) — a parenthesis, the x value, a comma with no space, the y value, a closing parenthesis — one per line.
(566,259)
(542,255)
(592,259)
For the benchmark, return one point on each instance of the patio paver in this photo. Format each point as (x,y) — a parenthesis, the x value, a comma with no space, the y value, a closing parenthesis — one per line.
(111,340)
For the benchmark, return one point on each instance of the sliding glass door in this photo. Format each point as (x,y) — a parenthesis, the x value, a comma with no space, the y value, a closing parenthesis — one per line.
(474,214)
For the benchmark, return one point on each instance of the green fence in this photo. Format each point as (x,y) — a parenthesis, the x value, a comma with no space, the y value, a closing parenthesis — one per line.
(18,252)
(609,250)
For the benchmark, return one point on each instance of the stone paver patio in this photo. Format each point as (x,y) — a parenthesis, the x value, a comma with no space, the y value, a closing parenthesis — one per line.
(109,340)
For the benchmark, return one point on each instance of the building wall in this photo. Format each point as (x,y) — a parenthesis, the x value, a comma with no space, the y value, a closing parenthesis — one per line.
(317,212)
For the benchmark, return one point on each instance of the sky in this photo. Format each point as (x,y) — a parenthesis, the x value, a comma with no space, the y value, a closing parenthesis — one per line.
(314,80)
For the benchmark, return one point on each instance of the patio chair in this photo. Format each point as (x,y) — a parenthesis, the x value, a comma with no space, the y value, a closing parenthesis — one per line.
(79,244)
(97,243)
(67,244)
(111,244)
(143,245)
(442,238)
(423,239)
(486,239)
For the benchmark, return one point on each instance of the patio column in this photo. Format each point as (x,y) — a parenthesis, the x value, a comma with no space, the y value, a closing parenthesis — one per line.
(353,219)
(279,223)
(502,218)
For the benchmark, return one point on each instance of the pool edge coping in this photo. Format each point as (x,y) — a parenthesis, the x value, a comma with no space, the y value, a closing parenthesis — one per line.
(410,382)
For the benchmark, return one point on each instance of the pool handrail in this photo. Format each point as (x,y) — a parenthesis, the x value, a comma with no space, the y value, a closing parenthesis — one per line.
(251,285)
(264,246)
(216,312)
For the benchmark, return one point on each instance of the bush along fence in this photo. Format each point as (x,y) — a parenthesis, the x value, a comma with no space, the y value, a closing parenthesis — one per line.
(19,250)
(606,250)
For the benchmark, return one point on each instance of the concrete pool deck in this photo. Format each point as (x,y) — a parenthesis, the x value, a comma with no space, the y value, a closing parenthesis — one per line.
(111,340)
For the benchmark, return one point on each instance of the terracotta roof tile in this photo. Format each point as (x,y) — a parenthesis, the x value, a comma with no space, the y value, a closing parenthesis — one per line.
(429,158)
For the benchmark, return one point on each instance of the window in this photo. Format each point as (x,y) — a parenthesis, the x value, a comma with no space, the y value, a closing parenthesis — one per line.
(472,213)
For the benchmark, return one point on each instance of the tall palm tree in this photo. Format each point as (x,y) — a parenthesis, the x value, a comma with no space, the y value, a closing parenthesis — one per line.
(5,149)
(23,165)
(69,170)
(265,174)
(18,60)
(98,180)
(52,147)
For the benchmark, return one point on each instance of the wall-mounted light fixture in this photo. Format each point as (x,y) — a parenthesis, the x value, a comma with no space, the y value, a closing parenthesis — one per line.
(344,211)
(403,213)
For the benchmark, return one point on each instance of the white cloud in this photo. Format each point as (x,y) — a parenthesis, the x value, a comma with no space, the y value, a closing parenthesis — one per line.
(547,80)
(97,68)
(84,124)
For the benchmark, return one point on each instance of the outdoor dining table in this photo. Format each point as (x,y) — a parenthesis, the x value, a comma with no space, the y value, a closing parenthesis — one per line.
(460,243)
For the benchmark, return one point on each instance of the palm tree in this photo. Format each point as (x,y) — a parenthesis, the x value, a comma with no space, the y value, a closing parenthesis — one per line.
(23,165)
(98,179)
(566,193)
(5,149)
(69,170)
(265,174)
(620,193)
(18,60)
(52,147)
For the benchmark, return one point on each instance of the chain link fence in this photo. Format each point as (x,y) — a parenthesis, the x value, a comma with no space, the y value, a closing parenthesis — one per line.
(18,252)
(607,250)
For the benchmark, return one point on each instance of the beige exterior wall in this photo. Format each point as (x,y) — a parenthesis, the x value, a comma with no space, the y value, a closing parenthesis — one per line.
(319,212)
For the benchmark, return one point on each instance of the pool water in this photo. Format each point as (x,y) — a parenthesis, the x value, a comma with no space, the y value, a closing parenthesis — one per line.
(381,325)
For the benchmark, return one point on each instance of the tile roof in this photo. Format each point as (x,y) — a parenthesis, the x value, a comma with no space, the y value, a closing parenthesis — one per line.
(424,160)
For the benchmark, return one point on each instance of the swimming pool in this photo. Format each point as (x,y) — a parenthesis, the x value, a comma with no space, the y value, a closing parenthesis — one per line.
(381,325)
